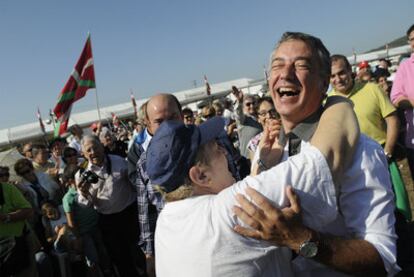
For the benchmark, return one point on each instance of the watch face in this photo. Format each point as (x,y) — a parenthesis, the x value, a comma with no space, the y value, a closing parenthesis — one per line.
(308,249)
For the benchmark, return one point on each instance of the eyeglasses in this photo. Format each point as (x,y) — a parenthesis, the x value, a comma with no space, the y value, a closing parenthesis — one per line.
(249,104)
(272,113)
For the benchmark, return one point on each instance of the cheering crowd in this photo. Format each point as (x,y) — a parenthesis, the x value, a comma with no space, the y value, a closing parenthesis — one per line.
(295,182)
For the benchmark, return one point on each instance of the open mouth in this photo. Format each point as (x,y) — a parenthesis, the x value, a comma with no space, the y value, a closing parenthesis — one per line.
(284,91)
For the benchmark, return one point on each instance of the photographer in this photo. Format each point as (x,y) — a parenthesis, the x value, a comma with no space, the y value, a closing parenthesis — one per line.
(105,185)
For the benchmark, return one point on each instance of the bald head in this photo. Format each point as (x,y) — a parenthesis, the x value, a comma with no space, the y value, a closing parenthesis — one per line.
(162,107)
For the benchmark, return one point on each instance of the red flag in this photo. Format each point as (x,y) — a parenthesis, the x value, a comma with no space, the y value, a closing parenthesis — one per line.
(81,79)
(39,117)
(208,88)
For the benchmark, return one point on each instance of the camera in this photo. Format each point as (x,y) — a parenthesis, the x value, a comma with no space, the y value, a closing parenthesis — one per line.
(89,177)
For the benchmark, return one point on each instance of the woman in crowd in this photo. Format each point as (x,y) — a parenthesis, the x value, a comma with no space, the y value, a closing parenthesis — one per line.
(194,235)
(265,110)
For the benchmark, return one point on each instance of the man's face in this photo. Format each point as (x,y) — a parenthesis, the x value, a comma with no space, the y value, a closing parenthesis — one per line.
(295,83)
(41,157)
(249,106)
(341,77)
(27,151)
(58,148)
(94,152)
(411,40)
(161,109)
(188,119)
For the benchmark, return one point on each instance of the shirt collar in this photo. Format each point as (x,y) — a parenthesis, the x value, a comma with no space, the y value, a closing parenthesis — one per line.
(305,129)
(147,140)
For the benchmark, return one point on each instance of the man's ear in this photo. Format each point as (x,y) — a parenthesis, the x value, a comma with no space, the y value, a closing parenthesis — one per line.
(197,176)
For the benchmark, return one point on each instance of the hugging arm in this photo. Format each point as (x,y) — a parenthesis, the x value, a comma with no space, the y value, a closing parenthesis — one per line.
(335,138)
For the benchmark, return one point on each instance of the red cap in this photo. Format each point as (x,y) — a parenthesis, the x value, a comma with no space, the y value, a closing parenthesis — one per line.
(94,126)
(363,64)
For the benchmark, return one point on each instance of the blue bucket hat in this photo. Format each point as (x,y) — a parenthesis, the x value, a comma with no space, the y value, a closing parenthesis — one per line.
(172,150)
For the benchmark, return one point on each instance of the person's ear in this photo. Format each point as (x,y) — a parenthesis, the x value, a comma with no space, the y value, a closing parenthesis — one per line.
(198,176)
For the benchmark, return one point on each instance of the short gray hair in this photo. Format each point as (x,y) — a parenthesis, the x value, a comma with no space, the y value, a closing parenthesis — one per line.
(323,55)
(91,138)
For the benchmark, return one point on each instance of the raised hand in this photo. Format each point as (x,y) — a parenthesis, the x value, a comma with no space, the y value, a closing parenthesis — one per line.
(270,149)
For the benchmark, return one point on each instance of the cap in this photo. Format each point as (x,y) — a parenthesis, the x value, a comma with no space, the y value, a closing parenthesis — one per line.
(173,148)
(363,64)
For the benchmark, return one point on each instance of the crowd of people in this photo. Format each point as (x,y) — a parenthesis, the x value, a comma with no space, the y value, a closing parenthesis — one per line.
(294,182)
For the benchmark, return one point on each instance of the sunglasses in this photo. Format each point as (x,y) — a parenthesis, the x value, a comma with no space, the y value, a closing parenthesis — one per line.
(249,104)
(188,117)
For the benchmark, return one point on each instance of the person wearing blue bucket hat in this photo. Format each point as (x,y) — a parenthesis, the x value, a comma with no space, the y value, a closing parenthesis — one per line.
(194,234)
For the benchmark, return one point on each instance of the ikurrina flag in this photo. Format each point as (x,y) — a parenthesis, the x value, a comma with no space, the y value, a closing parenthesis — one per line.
(81,79)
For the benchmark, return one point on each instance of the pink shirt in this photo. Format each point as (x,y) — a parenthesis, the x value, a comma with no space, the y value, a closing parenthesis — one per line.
(404,86)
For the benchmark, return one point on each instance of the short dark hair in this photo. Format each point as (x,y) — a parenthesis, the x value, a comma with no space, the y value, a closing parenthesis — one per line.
(187,111)
(264,99)
(21,164)
(37,148)
(69,173)
(410,30)
(338,57)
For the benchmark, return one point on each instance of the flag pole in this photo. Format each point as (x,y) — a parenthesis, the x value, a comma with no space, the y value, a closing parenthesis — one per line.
(96,89)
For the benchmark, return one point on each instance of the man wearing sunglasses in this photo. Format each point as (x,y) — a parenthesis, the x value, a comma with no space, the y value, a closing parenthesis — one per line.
(246,119)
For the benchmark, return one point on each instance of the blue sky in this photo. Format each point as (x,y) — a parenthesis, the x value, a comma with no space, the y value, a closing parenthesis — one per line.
(163,45)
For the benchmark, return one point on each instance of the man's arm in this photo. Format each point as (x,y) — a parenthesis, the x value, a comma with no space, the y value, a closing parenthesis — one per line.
(146,237)
(398,94)
(283,227)
(393,125)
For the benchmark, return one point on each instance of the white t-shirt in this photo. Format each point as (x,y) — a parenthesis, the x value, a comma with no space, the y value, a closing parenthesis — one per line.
(195,237)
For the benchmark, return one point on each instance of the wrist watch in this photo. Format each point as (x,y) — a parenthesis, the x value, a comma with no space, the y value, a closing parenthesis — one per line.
(308,249)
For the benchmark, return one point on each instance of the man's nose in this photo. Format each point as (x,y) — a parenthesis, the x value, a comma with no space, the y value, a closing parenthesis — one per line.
(288,72)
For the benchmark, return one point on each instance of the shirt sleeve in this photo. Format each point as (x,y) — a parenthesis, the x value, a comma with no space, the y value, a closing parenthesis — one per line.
(18,200)
(67,203)
(386,107)
(146,237)
(398,89)
(367,202)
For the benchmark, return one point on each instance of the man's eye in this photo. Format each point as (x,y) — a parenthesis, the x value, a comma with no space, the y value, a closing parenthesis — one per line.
(302,66)
(277,66)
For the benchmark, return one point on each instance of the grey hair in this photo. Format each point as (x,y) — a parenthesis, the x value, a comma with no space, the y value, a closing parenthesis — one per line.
(324,57)
(92,138)
(104,132)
